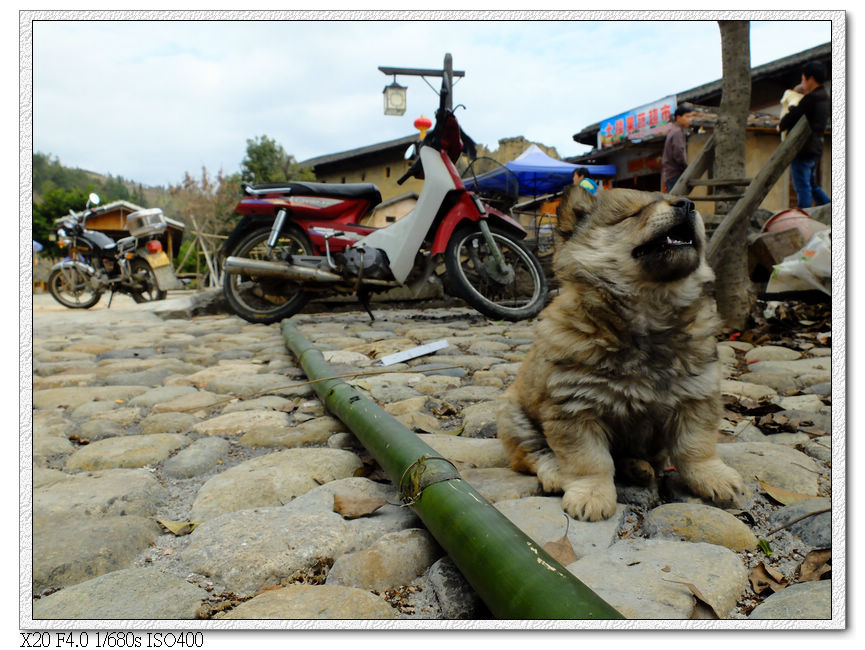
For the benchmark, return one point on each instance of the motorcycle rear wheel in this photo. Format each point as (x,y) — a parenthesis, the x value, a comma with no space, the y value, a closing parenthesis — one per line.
(150,292)
(264,299)
(472,272)
(71,288)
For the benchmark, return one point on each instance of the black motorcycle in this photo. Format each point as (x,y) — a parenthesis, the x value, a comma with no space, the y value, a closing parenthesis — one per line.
(135,265)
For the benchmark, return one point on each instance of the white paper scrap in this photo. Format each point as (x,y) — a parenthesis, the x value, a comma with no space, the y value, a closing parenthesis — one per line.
(419,351)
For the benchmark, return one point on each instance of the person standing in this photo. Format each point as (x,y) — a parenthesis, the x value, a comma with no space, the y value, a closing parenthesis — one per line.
(814,105)
(674,160)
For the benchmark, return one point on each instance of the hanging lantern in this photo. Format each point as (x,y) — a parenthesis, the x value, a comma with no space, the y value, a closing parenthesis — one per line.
(394,99)
(422,124)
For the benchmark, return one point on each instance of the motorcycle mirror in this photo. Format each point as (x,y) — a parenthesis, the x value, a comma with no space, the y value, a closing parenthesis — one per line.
(93,199)
(409,153)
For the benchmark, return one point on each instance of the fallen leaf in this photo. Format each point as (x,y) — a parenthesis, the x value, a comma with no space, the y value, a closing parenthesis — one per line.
(178,528)
(784,497)
(445,410)
(699,596)
(763,577)
(817,563)
(562,550)
(353,507)
(763,408)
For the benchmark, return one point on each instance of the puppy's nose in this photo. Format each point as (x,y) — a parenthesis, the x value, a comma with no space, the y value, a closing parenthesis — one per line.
(684,205)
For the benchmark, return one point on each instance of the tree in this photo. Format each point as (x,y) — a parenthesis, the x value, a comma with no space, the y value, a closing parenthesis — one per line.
(267,162)
(210,200)
(732,284)
(55,203)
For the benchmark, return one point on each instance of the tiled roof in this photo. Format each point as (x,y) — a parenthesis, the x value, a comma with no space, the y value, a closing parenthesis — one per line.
(360,151)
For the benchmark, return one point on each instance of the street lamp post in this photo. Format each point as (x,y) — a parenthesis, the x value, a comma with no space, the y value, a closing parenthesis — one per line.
(447,73)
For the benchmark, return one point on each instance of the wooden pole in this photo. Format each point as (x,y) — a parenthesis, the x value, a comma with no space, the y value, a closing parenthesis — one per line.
(759,188)
(211,269)
(696,168)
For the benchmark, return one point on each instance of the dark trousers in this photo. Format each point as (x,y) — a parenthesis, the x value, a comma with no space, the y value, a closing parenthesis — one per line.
(670,183)
(803,169)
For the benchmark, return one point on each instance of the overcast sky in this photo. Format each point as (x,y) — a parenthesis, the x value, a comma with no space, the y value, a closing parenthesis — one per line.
(150,100)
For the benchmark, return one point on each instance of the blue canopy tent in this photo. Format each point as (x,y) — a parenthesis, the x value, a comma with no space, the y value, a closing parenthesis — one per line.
(535,172)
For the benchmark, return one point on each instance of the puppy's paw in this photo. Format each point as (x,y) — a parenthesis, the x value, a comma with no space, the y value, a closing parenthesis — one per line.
(590,498)
(550,475)
(634,471)
(712,479)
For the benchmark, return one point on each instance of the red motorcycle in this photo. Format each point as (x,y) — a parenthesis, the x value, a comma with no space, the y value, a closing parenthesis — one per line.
(298,240)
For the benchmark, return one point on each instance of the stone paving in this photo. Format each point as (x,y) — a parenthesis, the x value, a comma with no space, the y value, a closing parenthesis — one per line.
(183,469)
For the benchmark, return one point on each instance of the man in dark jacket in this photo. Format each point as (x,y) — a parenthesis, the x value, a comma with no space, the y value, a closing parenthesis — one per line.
(674,160)
(815,107)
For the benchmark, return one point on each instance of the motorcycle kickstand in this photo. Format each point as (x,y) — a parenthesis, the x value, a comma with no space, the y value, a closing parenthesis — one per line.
(110,298)
(364,297)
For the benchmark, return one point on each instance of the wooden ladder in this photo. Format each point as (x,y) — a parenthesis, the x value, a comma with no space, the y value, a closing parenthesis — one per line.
(755,191)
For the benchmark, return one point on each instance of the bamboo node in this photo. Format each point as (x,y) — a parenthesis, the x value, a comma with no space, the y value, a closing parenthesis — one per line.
(420,477)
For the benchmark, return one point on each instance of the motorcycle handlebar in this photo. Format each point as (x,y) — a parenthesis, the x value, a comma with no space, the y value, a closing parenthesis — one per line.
(412,171)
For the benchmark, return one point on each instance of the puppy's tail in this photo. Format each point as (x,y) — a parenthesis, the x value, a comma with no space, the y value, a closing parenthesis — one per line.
(523,441)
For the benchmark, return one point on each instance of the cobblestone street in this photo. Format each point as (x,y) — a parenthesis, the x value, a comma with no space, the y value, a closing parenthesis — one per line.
(183,468)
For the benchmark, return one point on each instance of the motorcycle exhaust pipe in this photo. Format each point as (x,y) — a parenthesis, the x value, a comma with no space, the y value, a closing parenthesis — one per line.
(264,268)
(243,265)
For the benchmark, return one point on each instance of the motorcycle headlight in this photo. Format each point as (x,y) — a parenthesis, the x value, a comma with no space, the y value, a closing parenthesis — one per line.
(61,232)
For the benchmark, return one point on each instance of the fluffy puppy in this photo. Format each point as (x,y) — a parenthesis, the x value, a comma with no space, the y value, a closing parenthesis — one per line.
(624,363)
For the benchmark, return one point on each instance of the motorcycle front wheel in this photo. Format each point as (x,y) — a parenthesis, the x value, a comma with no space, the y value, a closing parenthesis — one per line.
(146,279)
(71,287)
(265,299)
(517,293)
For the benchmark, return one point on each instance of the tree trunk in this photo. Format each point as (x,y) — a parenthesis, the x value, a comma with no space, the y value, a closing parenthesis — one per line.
(732,284)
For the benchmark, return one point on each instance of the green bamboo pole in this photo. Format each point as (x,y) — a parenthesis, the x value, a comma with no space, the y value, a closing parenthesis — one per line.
(514,576)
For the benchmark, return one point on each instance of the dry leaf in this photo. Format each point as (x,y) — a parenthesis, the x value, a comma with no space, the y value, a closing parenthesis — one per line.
(353,507)
(763,577)
(699,596)
(815,564)
(562,550)
(178,528)
(784,497)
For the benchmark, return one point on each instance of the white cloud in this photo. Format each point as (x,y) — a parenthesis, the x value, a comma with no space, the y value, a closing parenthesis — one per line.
(150,100)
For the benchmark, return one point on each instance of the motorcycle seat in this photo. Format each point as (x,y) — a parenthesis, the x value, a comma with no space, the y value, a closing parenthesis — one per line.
(366,191)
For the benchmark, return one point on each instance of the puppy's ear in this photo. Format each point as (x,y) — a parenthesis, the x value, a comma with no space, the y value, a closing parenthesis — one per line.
(573,208)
